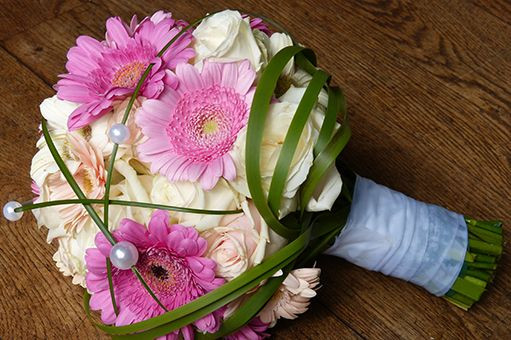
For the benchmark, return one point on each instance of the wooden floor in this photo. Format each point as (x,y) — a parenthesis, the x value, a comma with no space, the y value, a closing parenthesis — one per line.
(428,87)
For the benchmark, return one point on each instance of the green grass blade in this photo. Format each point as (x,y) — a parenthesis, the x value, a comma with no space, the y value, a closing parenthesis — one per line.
(72,183)
(31,206)
(225,293)
(255,131)
(292,139)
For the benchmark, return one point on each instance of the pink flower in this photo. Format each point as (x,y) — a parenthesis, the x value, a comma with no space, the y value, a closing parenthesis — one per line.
(258,24)
(35,190)
(171,262)
(101,72)
(239,242)
(89,172)
(191,129)
(254,330)
(292,297)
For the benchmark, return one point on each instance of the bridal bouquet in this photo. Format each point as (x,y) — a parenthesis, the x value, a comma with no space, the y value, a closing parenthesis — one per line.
(190,176)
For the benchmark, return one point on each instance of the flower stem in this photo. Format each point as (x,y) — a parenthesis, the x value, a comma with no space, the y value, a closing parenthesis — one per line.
(484,250)
(31,206)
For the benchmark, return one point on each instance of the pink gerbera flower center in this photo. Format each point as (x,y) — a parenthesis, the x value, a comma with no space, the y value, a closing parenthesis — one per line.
(172,264)
(128,75)
(205,123)
(192,129)
(102,72)
(166,273)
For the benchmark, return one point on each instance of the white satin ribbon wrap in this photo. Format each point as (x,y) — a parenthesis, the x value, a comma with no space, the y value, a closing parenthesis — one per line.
(392,233)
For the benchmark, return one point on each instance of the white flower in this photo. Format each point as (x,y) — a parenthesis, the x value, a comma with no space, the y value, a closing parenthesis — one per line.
(292,297)
(56,112)
(226,36)
(330,185)
(277,42)
(277,123)
(191,195)
(70,255)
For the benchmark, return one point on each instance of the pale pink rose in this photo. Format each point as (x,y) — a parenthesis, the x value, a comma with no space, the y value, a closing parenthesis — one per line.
(238,243)
(292,297)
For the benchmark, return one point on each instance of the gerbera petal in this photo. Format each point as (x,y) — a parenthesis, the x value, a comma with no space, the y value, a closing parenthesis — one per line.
(246,77)
(87,113)
(229,172)
(229,75)
(116,32)
(189,78)
(125,317)
(211,73)
(208,179)
(133,232)
(102,244)
(158,226)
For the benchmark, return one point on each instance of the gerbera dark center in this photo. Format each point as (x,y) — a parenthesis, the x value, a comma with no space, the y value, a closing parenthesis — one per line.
(159,272)
(128,75)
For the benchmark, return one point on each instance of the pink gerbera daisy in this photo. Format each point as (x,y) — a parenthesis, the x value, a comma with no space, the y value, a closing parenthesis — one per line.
(101,72)
(170,262)
(258,24)
(191,129)
(254,330)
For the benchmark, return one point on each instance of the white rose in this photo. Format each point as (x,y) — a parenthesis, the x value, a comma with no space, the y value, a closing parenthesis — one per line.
(277,42)
(226,36)
(191,195)
(56,112)
(330,185)
(277,123)
(70,255)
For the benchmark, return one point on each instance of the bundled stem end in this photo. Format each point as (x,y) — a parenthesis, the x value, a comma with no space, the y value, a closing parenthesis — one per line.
(485,245)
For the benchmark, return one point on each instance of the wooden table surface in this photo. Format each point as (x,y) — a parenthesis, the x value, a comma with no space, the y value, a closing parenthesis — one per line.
(428,87)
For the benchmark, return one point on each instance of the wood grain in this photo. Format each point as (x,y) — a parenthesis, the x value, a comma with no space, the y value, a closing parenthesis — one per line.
(428,87)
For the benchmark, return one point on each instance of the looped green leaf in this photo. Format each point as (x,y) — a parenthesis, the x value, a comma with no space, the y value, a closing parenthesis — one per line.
(328,126)
(194,310)
(72,183)
(294,133)
(32,206)
(330,152)
(255,130)
(249,309)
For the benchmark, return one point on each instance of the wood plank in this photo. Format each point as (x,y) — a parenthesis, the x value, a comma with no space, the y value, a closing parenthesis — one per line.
(428,87)
(35,300)
(18,16)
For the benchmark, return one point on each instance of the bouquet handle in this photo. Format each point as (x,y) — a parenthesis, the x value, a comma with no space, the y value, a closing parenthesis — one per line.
(428,245)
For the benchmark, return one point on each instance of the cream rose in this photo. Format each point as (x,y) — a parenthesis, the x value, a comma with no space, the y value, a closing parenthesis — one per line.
(330,186)
(277,123)
(239,243)
(191,195)
(226,36)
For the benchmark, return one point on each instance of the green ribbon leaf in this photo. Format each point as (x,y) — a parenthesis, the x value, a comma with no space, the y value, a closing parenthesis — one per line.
(198,308)
(292,139)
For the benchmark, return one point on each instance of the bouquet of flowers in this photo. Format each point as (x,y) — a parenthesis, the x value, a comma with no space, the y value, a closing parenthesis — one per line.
(190,175)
